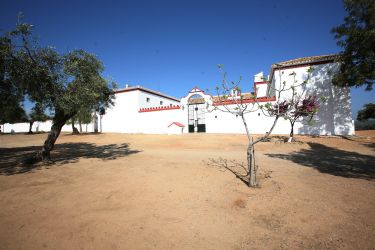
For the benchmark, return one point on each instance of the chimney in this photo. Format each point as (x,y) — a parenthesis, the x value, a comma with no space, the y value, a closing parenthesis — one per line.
(259,77)
(126,85)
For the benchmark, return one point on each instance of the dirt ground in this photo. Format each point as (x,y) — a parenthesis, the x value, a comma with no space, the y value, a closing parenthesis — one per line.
(119,191)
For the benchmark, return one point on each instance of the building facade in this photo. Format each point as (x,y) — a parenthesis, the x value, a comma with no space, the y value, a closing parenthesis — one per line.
(141,110)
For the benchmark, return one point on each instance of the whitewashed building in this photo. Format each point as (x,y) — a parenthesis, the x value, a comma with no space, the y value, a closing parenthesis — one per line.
(141,110)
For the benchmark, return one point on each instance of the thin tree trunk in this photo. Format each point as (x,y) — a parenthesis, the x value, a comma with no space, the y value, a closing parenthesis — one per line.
(30,127)
(291,139)
(251,165)
(252,170)
(80,126)
(101,130)
(250,156)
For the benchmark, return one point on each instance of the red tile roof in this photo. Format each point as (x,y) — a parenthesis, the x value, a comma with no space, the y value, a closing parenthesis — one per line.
(176,123)
(302,62)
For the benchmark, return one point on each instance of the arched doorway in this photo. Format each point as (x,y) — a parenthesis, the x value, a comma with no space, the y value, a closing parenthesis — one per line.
(196,113)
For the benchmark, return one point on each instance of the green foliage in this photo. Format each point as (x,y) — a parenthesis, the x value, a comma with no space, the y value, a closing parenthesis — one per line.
(357,38)
(63,83)
(364,125)
(11,96)
(83,116)
(11,109)
(37,114)
(368,112)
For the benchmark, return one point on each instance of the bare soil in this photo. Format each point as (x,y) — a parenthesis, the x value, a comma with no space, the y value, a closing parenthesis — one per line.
(118,191)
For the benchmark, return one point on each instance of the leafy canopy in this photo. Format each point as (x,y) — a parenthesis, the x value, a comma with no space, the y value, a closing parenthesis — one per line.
(37,114)
(368,112)
(64,83)
(357,38)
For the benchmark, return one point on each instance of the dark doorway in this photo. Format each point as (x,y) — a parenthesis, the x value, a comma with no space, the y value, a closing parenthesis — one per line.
(196,118)
(191,128)
(201,128)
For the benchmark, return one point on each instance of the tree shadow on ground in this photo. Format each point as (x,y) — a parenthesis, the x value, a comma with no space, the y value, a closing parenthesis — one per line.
(360,139)
(333,161)
(12,160)
(237,168)
(369,145)
(83,134)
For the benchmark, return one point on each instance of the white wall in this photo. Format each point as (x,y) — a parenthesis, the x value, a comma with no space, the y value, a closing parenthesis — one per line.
(224,122)
(123,116)
(41,127)
(261,89)
(175,130)
(154,100)
(334,116)
(157,122)
(16,127)
(24,127)
(86,128)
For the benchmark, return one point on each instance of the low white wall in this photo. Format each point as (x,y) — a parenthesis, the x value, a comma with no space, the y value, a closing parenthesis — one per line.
(86,128)
(15,127)
(224,122)
(24,127)
(41,127)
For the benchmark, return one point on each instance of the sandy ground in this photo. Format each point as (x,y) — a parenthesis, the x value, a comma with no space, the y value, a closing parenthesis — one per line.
(117,191)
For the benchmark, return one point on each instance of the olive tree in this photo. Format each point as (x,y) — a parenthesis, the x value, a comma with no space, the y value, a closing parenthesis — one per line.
(83,116)
(37,114)
(356,37)
(61,82)
(367,113)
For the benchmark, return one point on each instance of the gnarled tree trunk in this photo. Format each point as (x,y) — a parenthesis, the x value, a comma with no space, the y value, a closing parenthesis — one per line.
(59,121)
(74,129)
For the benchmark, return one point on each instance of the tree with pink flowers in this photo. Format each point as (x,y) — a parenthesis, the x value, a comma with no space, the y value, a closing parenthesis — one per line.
(291,103)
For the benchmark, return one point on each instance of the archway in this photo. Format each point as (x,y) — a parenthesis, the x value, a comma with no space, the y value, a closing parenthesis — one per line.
(196,114)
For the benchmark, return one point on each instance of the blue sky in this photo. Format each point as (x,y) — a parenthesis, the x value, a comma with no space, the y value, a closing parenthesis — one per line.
(172,46)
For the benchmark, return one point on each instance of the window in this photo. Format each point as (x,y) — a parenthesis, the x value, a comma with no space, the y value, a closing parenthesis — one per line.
(161,102)
(148,99)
